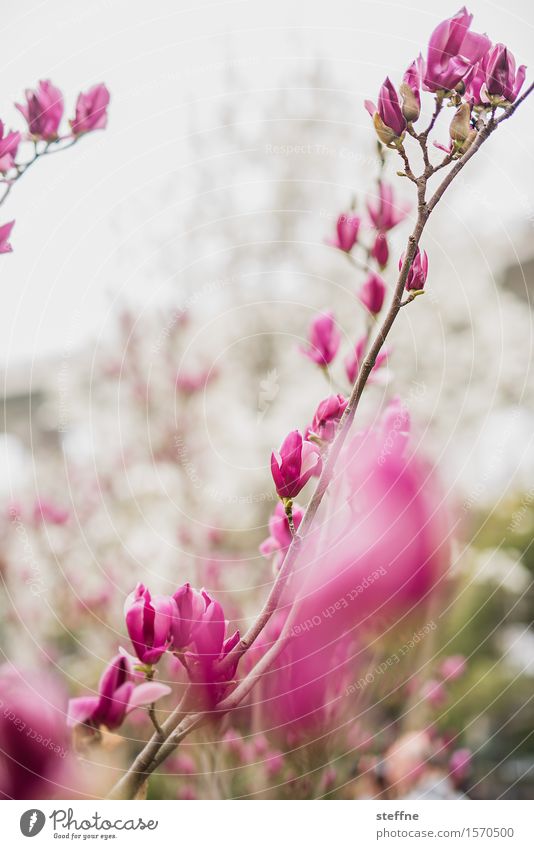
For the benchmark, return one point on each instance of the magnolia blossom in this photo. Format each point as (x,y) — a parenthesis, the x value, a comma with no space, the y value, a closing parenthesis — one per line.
(189,608)
(117,696)
(149,620)
(5,232)
(327,416)
(453,51)
(34,746)
(434,693)
(296,462)
(279,538)
(380,250)
(354,360)
(324,340)
(50,513)
(460,765)
(91,110)
(388,119)
(347,228)
(383,211)
(503,82)
(372,293)
(453,667)
(209,648)
(9,144)
(418,271)
(43,110)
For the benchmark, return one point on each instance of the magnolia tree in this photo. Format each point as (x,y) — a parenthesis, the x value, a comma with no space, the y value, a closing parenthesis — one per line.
(372,543)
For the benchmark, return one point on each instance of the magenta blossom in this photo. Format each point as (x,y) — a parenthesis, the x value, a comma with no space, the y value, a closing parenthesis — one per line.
(324,340)
(292,468)
(117,696)
(50,513)
(5,232)
(43,110)
(34,744)
(327,417)
(453,667)
(347,228)
(209,648)
(353,361)
(388,119)
(149,622)
(475,83)
(8,149)
(380,250)
(434,693)
(503,82)
(417,273)
(372,293)
(453,50)
(385,213)
(190,606)
(460,766)
(409,90)
(279,538)
(91,110)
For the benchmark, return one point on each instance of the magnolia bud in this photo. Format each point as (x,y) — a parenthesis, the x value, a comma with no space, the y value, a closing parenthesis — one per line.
(461,124)
(411,108)
(385,134)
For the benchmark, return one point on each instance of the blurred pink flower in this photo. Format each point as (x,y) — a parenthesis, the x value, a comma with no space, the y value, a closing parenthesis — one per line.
(91,110)
(8,149)
(372,293)
(5,232)
(347,228)
(43,110)
(324,340)
(460,765)
(279,538)
(353,361)
(383,211)
(453,667)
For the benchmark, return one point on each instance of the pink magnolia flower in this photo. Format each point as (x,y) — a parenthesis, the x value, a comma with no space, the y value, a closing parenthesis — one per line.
(453,667)
(372,293)
(475,82)
(9,144)
(409,90)
(353,361)
(377,553)
(385,213)
(347,228)
(460,765)
(418,272)
(502,79)
(48,512)
(324,340)
(34,745)
(43,110)
(149,622)
(388,119)
(453,50)
(395,427)
(327,417)
(209,648)
(380,250)
(91,110)
(434,693)
(296,463)
(279,538)
(5,232)
(117,696)
(190,606)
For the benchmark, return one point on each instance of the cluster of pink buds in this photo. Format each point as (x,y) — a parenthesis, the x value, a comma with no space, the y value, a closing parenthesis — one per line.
(459,63)
(43,112)
(190,624)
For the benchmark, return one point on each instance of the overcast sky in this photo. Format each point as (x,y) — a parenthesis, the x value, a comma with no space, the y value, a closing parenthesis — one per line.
(155,58)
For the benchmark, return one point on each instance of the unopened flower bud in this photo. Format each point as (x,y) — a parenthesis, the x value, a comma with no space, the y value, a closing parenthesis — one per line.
(411,107)
(461,124)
